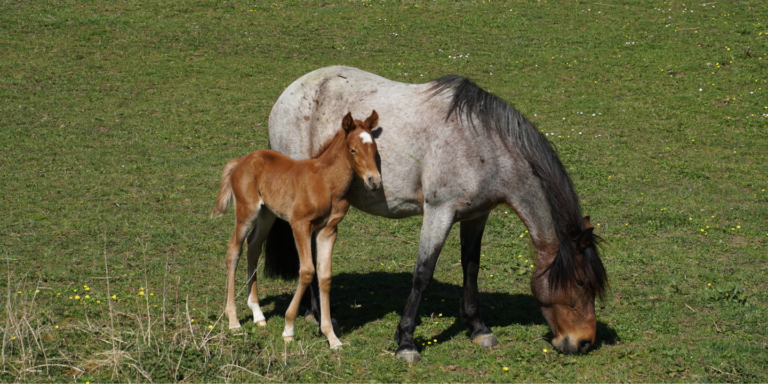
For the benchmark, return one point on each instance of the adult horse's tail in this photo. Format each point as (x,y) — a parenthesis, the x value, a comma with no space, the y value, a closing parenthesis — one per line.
(281,258)
(224,199)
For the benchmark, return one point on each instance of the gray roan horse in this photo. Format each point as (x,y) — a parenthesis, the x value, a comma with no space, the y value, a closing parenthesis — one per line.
(452,152)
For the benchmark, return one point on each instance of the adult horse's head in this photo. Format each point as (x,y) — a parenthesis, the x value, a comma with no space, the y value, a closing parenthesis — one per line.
(569,273)
(566,291)
(362,148)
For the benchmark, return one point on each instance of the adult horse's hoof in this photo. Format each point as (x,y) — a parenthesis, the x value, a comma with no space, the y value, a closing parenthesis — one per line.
(487,340)
(409,356)
(261,323)
(310,318)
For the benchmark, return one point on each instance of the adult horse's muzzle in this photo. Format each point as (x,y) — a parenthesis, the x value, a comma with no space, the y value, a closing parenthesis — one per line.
(567,346)
(574,331)
(372,182)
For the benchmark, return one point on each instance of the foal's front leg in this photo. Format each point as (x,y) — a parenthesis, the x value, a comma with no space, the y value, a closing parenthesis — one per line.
(326,238)
(302,234)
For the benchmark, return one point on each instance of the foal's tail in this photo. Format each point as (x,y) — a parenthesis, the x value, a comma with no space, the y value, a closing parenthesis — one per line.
(225,191)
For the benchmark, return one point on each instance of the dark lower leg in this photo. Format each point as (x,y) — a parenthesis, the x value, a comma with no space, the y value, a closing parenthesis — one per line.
(471,241)
(433,233)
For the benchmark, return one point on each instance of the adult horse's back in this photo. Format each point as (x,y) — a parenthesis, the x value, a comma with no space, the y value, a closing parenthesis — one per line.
(452,152)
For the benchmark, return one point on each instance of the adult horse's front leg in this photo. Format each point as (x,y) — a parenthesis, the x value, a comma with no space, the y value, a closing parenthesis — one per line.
(471,238)
(434,230)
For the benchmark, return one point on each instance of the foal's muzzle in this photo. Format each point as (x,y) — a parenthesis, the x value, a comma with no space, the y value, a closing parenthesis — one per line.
(372,182)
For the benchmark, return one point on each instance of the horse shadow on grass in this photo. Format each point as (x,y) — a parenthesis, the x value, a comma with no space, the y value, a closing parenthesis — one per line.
(358,299)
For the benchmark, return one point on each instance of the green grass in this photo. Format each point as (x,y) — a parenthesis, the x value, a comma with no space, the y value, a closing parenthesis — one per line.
(116,119)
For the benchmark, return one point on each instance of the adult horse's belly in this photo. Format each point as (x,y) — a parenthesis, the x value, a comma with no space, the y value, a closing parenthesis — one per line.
(388,202)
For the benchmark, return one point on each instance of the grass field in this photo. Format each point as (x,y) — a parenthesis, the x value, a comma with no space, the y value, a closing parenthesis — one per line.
(116,119)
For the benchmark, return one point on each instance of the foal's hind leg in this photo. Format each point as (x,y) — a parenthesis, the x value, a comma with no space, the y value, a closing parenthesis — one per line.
(471,236)
(243,222)
(264,220)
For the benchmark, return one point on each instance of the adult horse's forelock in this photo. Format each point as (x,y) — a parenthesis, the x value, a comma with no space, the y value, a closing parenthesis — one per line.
(497,116)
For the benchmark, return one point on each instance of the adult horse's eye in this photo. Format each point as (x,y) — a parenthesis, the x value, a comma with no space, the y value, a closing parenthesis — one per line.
(352,151)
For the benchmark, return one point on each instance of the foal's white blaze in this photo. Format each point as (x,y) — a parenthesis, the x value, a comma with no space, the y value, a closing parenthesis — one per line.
(366,137)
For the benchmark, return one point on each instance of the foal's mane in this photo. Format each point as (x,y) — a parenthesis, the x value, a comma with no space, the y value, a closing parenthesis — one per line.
(496,116)
(327,144)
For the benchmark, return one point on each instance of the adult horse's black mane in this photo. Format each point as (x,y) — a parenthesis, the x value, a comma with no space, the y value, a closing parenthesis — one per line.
(497,117)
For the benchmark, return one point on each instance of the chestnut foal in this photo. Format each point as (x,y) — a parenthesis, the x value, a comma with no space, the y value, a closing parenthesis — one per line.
(309,194)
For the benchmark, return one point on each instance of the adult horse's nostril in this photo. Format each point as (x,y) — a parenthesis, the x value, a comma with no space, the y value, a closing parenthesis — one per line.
(584,345)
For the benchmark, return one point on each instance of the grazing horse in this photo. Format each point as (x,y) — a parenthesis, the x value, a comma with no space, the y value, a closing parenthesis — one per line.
(309,194)
(451,151)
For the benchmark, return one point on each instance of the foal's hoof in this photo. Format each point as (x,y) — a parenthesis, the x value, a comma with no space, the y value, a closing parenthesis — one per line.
(336,346)
(487,340)
(261,323)
(287,339)
(234,326)
(408,355)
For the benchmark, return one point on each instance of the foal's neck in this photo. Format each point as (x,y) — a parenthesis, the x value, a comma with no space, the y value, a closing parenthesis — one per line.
(336,159)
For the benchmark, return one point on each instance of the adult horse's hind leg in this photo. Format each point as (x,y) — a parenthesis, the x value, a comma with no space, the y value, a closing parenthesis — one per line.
(471,237)
(264,221)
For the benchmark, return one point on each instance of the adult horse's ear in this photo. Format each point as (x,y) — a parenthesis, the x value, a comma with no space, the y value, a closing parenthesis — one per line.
(372,121)
(585,238)
(586,222)
(348,123)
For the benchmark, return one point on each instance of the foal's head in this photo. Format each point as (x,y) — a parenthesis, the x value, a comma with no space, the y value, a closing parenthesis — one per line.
(363,148)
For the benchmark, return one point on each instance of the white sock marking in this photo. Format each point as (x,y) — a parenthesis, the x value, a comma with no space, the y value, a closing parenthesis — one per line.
(257,314)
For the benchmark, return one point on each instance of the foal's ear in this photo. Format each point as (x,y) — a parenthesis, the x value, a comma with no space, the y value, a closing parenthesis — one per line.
(372,121)
(348,123)
(586,222)
(585,238)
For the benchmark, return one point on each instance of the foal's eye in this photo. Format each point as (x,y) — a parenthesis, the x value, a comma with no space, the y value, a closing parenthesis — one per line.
(352,151)
(580,283)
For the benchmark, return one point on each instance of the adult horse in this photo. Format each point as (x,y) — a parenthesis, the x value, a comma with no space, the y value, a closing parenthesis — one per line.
(452,152)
